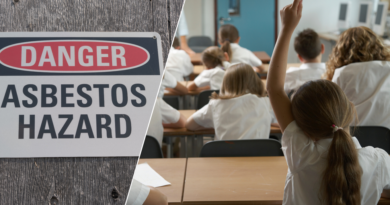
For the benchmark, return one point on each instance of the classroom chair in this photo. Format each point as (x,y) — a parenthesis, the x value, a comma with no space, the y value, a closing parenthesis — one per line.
(199,43)
(374,136)
(204,98)
(173,101)
(151,148)
(242,148)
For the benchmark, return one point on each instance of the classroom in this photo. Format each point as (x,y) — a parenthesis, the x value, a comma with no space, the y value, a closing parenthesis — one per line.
(272,102)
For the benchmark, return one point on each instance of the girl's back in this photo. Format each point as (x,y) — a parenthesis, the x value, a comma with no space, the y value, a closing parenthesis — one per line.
(367,86)
(307,161)
(244,117)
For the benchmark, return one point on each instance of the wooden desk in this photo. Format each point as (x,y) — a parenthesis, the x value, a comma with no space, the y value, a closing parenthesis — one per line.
(329,36)
(169,132)
(263,56)
(173,170)
(196,58)
(235,180)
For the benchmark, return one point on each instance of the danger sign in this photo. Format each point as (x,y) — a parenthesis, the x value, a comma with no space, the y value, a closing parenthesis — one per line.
(77,94)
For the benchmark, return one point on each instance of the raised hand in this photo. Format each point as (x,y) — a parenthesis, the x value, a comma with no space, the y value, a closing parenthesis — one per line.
(291,14)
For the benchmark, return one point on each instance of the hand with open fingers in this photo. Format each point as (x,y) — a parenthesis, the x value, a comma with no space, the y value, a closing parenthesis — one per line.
(291,14)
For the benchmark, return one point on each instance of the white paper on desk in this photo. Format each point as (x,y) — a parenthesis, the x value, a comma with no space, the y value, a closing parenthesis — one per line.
(146,175)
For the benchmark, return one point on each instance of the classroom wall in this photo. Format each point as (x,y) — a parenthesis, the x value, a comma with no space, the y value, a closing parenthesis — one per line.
(200,17)
(320,15)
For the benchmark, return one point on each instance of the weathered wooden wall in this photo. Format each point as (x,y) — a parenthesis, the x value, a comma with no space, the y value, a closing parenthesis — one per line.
(69,181)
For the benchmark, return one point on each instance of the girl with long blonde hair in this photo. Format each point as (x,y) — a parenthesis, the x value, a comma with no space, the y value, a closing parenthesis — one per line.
(326,164)
(240,111)
(360,65)
(216,61)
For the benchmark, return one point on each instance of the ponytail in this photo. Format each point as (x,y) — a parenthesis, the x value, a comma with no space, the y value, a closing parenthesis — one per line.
(342,177)
(227,49)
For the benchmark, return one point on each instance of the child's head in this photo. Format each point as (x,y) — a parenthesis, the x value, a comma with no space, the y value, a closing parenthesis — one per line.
(176,43)
(358,44)
(213,57)
(240,79)
(228,34)
(308,46)
(316,107)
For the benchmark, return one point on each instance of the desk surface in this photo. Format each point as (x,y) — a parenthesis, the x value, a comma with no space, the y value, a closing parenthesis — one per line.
(184,132)
(173,170)
(238,180)
(196,58)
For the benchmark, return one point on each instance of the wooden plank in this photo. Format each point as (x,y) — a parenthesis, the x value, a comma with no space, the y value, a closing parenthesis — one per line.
(71,181)
(172,170)
(231,180)
(175,8)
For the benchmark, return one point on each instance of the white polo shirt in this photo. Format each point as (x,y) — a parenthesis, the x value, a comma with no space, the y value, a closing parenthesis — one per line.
(367,86)
(163,113)
(138,193)
(168,81)
(179,64)
(244,117)
(306,162)
(212,77)
(296,77)
(243,55)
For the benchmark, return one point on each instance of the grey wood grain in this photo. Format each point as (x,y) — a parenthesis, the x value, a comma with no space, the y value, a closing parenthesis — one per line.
(68,181)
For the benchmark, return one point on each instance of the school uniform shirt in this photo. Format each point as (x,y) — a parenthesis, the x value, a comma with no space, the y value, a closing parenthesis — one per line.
(168,81)
(162,113)
(296,77)
(212,77)
(243,55)
(244,117)
(179,64)
(367,86)
(138,193)
(307,161)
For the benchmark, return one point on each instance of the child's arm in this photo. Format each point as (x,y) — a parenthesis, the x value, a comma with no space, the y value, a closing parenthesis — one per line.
(179,89)
(193,126)
(290,16)
(179,124)
(192,86)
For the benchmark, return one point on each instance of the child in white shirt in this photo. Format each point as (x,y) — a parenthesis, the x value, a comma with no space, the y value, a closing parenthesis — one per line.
(215,60)
(360,65)
(163,114)
(241,111)
(228,34)
(309,49)
(141,194)
(325,164)
(178,62)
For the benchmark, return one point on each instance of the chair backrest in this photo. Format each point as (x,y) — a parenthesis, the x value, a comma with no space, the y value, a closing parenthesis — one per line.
(173,101)
(204,98)
(203,41)
(242,148)
(374,136)
(151,148)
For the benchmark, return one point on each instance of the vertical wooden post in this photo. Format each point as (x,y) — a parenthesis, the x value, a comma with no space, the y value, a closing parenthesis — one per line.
(68,181)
